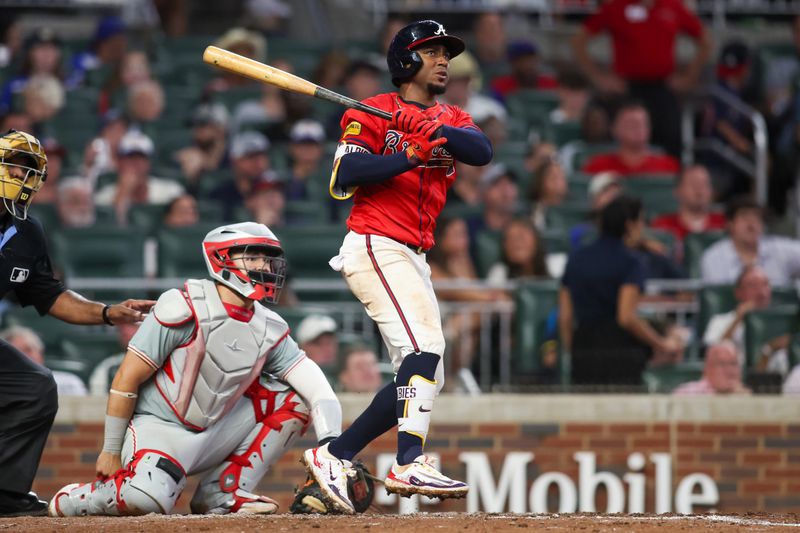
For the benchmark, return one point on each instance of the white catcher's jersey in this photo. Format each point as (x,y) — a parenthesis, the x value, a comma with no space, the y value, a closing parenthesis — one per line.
(204,359)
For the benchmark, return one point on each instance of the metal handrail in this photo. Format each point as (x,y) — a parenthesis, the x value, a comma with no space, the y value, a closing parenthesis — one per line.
(759,167)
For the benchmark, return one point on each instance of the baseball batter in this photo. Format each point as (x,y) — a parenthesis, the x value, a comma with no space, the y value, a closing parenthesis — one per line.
(190,396)
(398,173)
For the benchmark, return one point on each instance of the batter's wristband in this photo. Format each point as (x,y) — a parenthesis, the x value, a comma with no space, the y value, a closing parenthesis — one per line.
(114,433)
(105,315)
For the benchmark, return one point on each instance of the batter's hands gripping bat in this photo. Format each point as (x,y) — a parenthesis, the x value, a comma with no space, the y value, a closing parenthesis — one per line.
(254,70)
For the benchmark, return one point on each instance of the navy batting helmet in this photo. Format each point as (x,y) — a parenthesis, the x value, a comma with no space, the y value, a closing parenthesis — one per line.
(403,61)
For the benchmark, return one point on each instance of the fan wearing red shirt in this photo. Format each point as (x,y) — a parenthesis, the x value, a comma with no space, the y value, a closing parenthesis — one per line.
(398,173)
(524,59)
(631,130)
(643,35)
(694,215)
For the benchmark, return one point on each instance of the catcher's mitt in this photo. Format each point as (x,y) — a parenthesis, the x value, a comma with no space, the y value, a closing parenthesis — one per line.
(360,488)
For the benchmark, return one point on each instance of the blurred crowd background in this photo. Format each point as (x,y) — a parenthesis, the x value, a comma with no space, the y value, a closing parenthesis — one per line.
(636,230)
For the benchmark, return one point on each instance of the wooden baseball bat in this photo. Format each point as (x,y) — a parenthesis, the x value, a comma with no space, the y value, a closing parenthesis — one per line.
(250,68)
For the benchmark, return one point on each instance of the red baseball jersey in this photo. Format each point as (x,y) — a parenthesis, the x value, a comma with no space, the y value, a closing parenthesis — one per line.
(405,207)
(643,35)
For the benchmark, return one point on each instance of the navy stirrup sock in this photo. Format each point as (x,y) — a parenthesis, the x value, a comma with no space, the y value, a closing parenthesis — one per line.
(376,420)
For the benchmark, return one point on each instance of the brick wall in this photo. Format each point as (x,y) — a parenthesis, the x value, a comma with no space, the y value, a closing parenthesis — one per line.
(756,466)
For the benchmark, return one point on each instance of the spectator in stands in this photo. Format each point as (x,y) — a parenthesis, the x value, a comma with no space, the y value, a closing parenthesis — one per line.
(753,292)
(318,336)
(573,97)
(181,212)
(99,380)
(250,164)
(42,57)
(331,69)
(362,80)
(525,73)
(42,98)
(267,113)
(595,124)
(466,190)
(75,204)
(145,104)
(522,254)
(102,153)
(11,40)
(244,42)
(722,373)
(598,321)
(56,154)
(306,140)
(695,211)
(207,151)
(28,342)
(107,48)
(490,41)
(16,120)
(266,202)
(134,183)
(463,90)
(268,16)
(727,124)
(631,130)
(792,383)
(603,189)
(548,188)
(643,37)
(450,260)
(747,245)
(359,370)
(500,195)
(539,154)
(132,70)
(781,73)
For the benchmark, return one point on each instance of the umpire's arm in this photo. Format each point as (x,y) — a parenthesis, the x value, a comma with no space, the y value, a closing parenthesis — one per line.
(73,308)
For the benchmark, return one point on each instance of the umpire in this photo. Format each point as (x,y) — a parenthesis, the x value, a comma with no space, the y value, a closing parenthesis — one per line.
(28,399)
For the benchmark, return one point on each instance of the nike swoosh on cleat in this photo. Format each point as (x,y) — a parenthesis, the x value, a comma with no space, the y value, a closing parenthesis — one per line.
(421,410)
(330,471)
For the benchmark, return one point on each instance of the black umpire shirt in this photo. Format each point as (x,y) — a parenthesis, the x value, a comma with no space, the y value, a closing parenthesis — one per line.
(25,266)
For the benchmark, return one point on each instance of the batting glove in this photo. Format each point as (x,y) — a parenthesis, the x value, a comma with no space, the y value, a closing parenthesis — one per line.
(420,149)
(430,129)
(406,119)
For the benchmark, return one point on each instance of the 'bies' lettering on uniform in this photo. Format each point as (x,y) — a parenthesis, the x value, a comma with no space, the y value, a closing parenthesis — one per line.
(404,208)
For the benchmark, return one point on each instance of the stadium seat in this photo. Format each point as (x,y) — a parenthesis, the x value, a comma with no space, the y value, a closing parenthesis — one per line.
(532,106)
(73,366)
(99,251)
(146,218)
(563,217)
(49,328)
(564,132)
(487,251)
(535,301)
(656,192)
(309,248)
(180,251)
(665,378)
(576,153)
(306,212)
(694,245)
(764,325)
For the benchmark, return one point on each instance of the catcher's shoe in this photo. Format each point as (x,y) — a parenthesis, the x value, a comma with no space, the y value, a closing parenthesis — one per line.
(249,503)
(331,473)
(70,502)
(420,477)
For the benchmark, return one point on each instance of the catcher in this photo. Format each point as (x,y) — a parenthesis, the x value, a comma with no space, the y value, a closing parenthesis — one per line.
(190,395)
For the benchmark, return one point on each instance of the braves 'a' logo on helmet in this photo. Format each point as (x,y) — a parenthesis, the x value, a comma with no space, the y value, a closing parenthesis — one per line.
(403,61)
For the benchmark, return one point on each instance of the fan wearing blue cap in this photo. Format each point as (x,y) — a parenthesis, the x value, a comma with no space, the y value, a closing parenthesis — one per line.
(523,56)
(107,47)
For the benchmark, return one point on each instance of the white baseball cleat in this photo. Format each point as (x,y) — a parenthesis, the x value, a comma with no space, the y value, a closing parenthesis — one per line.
(331,473)
(420,477)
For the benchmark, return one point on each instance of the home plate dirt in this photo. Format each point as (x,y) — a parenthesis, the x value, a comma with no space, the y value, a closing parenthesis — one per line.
(418,523)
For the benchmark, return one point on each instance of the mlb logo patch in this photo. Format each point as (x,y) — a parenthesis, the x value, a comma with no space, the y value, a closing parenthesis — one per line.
(19,275)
